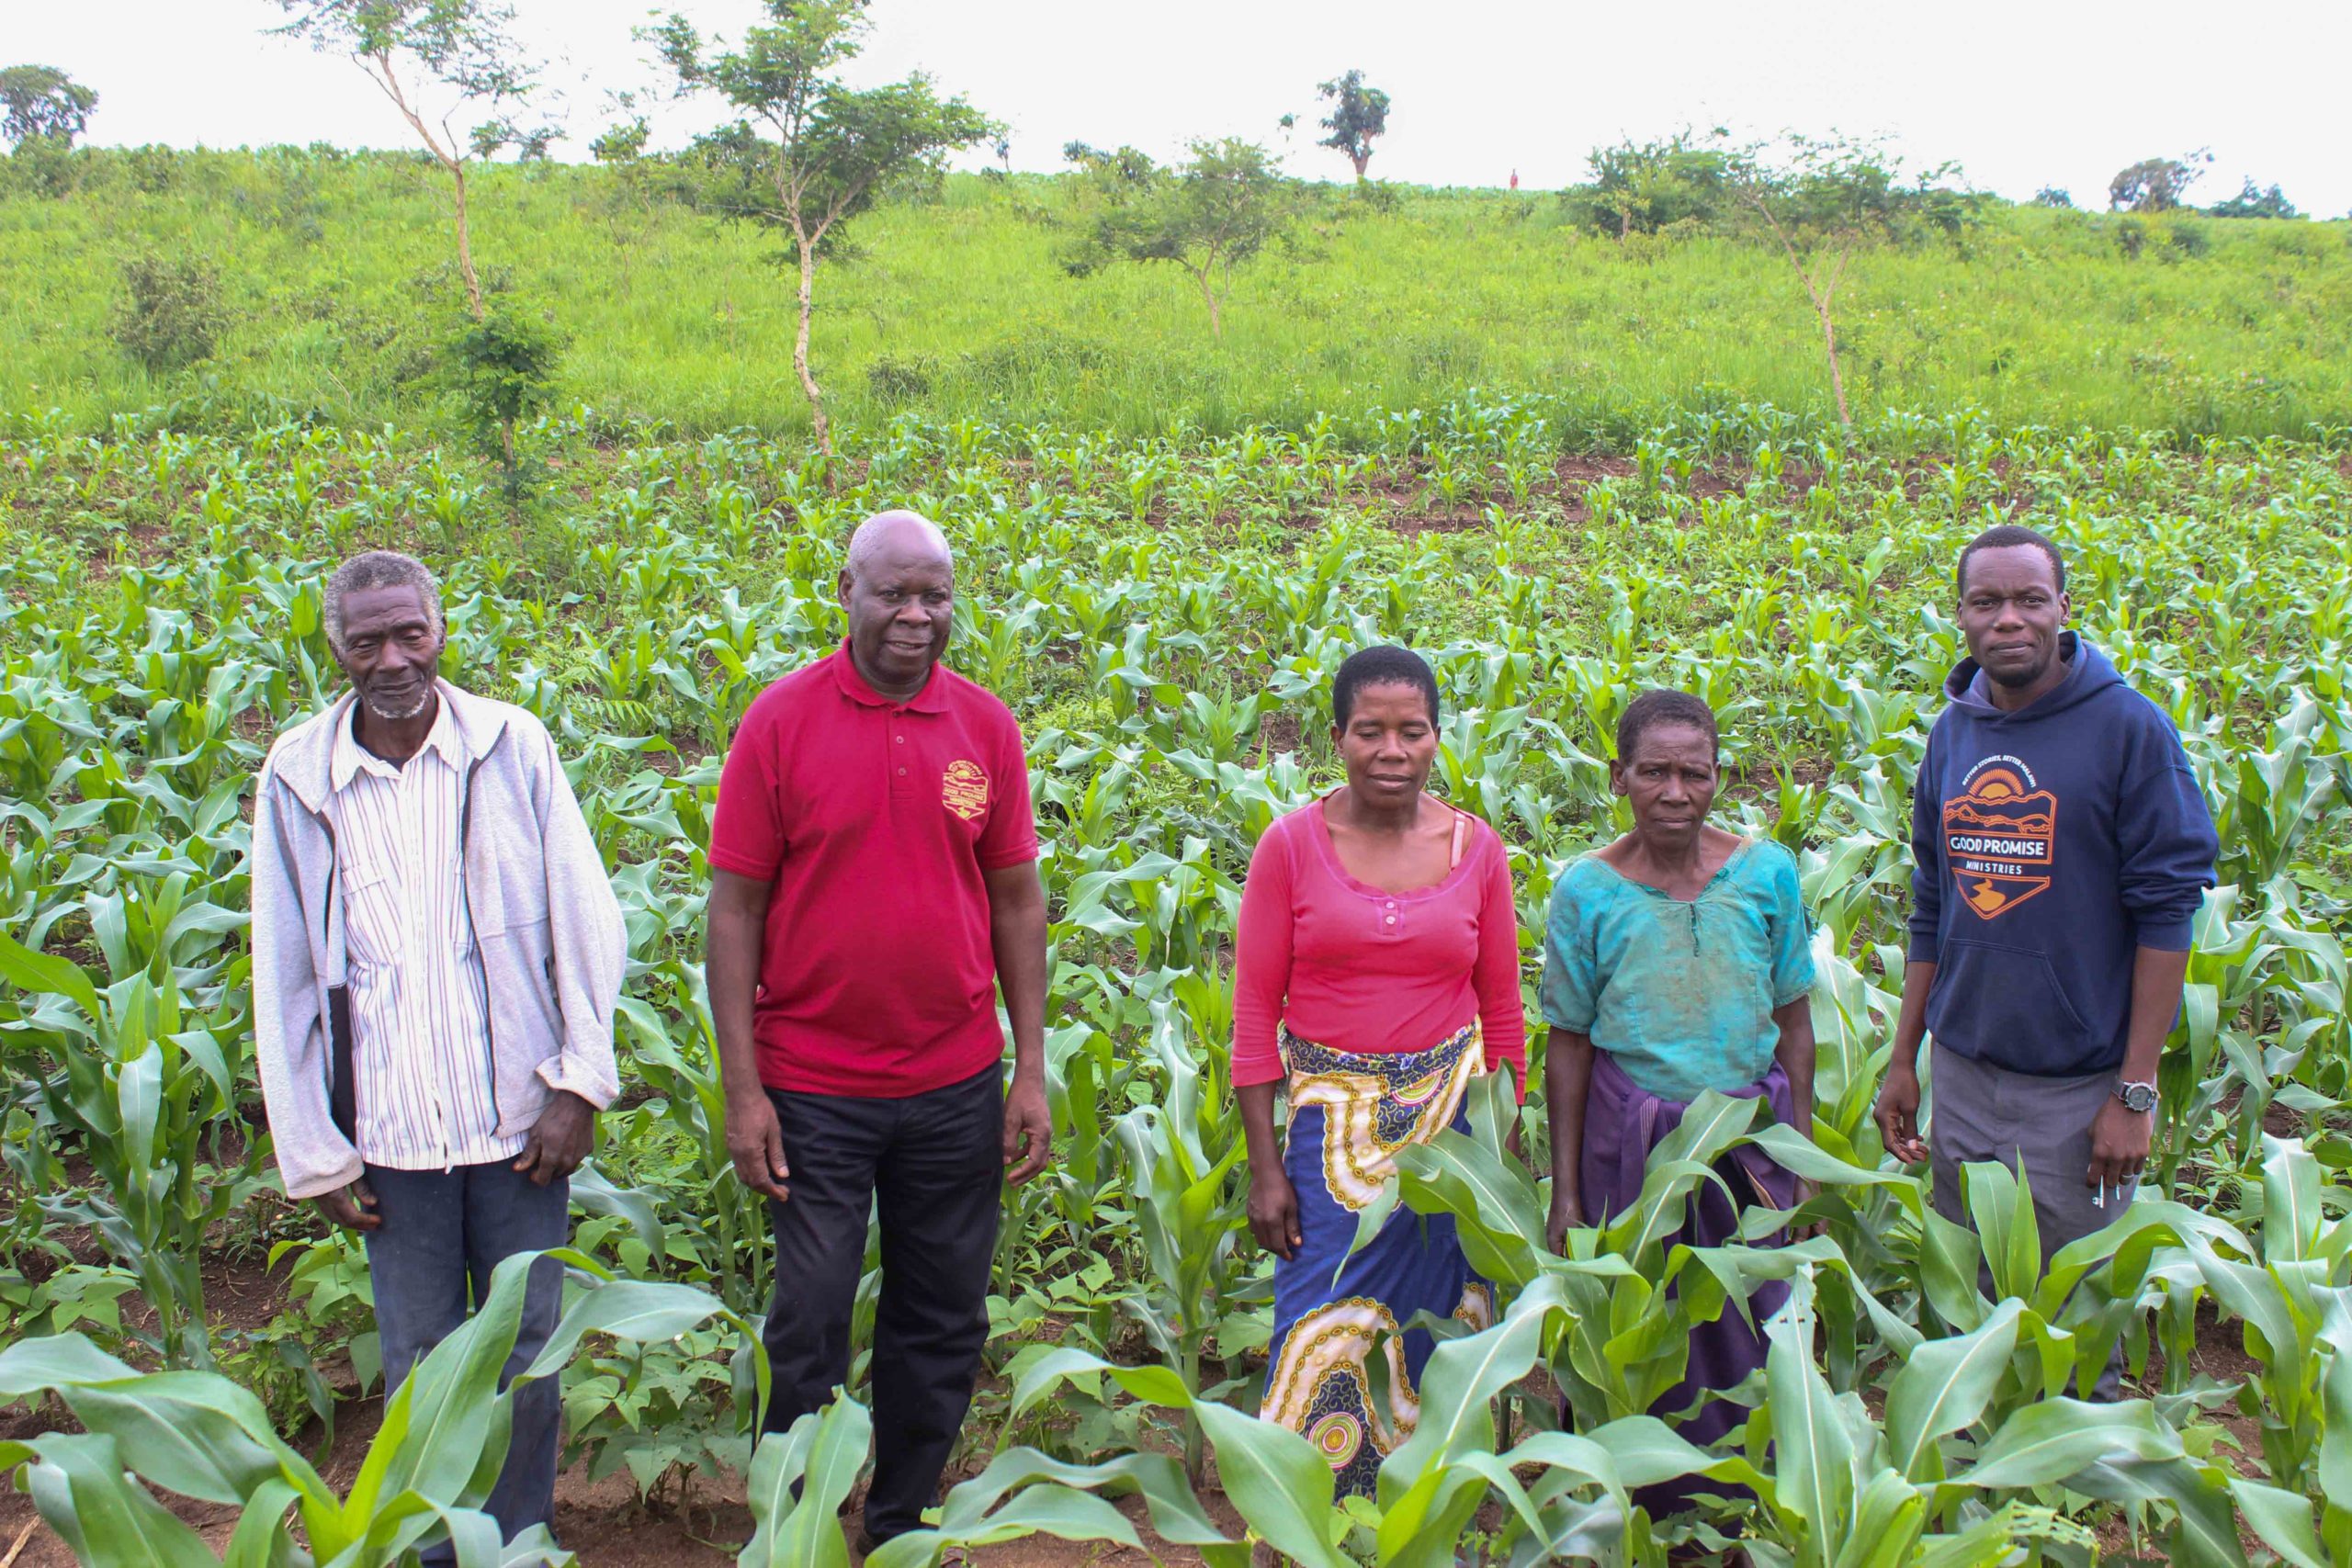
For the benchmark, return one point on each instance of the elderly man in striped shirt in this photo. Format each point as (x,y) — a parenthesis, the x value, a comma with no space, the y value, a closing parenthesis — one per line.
(437,954)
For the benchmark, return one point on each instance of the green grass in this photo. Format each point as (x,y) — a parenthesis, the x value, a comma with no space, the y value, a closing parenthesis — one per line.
(336,269)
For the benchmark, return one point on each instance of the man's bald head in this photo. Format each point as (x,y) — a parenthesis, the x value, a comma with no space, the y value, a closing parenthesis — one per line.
(898,587)
(897,535)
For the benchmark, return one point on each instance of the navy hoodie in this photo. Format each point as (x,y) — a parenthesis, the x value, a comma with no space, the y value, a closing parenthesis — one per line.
(2047,845)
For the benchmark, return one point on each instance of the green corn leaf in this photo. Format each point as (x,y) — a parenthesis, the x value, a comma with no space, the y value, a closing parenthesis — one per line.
(1277,1479)
(1460,1382)
(2056,1437)
(2283,1520)
(42,973)
(109,1520)
(1943,1388)
(806,1531)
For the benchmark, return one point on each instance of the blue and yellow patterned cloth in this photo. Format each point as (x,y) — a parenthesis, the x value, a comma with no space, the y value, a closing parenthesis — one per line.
(1348,1115)
(1681,993)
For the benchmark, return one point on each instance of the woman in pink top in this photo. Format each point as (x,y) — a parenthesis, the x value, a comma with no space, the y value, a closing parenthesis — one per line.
(1378,972)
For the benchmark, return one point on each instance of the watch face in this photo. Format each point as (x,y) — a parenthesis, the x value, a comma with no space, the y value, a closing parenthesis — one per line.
(2138,1096)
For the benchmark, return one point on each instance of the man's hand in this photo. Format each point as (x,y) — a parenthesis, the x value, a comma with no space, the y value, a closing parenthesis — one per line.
(352,1207)
(1273,1212)
(1898,1114)
(1028,1129)
(755,1142)
(1567,1214)
(2119,1139)
(559,1140)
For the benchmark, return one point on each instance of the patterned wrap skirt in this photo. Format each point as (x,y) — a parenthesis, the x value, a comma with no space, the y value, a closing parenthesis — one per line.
(1348,1115)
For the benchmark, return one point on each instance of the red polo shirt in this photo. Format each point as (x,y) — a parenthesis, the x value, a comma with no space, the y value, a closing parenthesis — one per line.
(874,820)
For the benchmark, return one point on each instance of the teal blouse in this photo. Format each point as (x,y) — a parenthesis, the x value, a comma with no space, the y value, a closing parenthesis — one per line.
(1681,994)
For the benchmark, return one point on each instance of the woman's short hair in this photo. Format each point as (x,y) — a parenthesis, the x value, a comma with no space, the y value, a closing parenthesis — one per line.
(1383,665)
(1657,706)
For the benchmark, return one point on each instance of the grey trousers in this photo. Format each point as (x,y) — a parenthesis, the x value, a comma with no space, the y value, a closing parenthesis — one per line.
(1977,1112)
(431,1260)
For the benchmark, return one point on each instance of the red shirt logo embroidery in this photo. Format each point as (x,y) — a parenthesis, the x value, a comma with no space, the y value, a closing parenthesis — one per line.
(1997,839)
(965,789)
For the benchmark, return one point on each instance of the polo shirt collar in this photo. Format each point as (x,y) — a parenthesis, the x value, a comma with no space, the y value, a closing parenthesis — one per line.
(932,698)
(350,759)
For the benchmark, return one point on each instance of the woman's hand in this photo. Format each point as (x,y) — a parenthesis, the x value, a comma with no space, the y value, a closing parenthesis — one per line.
(1567,1214)
(1806,1193)
(1273,1212)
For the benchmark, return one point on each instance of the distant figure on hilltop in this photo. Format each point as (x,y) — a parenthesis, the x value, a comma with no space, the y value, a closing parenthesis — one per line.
(1514,179)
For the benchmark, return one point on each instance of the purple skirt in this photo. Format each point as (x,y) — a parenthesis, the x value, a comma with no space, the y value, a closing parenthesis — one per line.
(1622,1123)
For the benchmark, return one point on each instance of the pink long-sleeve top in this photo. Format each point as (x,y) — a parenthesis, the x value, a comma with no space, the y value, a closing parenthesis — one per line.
(1353,968)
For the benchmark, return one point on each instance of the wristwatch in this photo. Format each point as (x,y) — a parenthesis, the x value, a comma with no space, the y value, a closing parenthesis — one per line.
(2137,1097)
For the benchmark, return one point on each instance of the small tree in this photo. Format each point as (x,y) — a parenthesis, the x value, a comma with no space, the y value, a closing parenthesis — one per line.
(1830,200)
(40,100)
(500,367)
(1219,209)
(465,45)
(171,313)
(1652,186)
(2253,201)
(823,151)
(2156,185)
(2054,195)
(1358,115)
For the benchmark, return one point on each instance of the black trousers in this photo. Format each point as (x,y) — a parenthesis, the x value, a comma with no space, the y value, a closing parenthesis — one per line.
(933,1165)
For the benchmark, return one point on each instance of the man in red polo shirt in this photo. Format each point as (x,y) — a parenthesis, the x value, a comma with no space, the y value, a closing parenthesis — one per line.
(873,882)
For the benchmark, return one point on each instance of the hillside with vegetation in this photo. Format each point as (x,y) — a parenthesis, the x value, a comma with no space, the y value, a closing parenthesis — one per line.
(315,285)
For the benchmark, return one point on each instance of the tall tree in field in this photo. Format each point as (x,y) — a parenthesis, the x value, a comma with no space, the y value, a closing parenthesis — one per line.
(810,153)
(1829,200)
(462,50)
(1219,209)
(1358,115)
(40,100)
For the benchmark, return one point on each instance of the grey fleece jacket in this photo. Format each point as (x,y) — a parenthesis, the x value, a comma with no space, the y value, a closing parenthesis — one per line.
(545,922)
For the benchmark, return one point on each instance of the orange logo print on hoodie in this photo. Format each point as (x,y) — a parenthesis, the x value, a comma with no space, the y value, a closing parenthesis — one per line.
(1998,839)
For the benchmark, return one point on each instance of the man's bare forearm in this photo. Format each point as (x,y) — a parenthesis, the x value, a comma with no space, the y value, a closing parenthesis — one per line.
(1017,934)
(736,933)
(1911,1021)
(2157,978)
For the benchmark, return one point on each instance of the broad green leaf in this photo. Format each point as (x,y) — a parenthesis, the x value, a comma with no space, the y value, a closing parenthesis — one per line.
(46,973)
(1943,1388)
(2054,1438)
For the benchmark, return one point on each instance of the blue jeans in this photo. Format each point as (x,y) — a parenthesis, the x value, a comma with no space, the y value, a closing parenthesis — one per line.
(431,1260)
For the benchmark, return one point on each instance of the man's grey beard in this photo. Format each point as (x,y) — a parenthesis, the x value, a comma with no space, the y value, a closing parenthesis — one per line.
(392,714)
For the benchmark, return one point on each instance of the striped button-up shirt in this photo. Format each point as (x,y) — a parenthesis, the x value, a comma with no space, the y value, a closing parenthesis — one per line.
(420,1007)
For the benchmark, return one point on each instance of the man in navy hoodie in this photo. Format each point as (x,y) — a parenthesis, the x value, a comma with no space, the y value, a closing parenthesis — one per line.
(2060,852)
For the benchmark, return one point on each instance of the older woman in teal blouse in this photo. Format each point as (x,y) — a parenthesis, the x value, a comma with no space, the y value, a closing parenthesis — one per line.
(1676,960)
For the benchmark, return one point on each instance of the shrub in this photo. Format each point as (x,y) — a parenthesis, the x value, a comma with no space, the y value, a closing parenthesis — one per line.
(893,380)
(172,313)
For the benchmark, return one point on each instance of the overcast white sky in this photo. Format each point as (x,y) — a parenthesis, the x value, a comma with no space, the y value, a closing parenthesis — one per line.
(2022,92)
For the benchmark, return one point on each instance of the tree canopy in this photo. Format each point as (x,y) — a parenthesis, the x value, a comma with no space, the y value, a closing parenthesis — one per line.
(809,152)
(40,100)
(1651,187)
(2253,201)
(1359,114)
(1217,208)
(468,47)
(2156,185)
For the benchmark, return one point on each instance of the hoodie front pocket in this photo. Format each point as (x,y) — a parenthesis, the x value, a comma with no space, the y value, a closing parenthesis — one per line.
(2004,1003)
